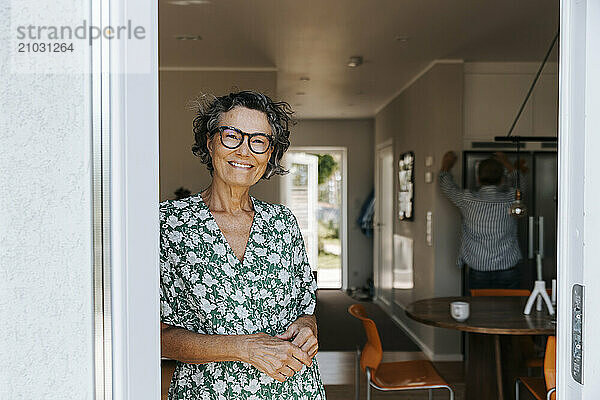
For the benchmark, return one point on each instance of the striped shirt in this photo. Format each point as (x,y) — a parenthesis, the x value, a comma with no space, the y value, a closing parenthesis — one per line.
(489,234)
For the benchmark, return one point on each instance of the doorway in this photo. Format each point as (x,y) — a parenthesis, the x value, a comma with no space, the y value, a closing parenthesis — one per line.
(383,223)
(568,166)
(315,191)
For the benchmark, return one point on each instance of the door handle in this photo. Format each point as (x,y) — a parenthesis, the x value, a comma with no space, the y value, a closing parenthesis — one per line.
(531,226)
(541,236)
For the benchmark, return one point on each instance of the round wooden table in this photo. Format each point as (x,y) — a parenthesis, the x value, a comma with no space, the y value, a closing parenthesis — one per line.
(490,317)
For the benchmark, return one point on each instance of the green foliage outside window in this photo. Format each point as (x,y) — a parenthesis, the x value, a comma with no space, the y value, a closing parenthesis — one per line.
(327,166)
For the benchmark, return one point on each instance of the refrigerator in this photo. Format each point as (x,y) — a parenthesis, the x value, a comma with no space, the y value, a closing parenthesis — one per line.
(537,230)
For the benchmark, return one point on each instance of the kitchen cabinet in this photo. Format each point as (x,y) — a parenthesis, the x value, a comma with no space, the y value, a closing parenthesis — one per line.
(494,92)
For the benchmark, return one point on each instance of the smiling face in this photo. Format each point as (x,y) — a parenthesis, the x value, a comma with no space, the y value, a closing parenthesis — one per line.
(240,167)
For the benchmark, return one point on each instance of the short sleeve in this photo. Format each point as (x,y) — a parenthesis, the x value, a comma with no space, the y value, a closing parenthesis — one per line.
(168,281)
(305,285)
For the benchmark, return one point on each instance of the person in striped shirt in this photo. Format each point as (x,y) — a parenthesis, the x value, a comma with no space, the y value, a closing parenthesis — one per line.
(489,245)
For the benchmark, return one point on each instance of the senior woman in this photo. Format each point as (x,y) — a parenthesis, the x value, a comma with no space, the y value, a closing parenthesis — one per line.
(237,293)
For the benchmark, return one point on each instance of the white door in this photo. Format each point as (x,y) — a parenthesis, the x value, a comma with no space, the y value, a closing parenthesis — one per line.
(299,192)
(579,209)
(384,224)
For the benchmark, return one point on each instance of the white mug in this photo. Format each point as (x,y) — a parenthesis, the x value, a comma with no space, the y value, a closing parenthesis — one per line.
(459,310)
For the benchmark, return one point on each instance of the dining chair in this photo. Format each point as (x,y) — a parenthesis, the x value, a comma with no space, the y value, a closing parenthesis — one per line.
(542,388)
(391,376)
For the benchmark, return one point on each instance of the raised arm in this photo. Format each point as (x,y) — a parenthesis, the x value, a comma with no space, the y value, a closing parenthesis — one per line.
(512,170)
(446,181)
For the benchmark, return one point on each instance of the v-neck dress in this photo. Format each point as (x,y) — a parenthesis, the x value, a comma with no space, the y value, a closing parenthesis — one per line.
(206,289)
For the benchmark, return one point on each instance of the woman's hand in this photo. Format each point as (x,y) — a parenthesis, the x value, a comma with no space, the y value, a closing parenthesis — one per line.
(275,357)
(303,333)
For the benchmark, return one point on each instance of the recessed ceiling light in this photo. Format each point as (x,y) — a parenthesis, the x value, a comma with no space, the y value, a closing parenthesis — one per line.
(304,78)
(189,2)
(401,38)
(188,37)
(300,93)
(355,61)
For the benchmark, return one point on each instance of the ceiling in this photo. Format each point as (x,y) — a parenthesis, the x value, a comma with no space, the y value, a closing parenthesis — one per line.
(315,39)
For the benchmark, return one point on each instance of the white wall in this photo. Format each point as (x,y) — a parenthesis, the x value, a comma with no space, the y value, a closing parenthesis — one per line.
(46,342)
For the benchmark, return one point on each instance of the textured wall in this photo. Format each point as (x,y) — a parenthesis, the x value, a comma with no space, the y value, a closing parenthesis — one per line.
(46,349)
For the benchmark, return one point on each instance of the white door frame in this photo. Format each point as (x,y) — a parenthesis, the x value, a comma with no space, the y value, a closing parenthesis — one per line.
(344,227)
(126,240)
(579,191)
(133,191)
(311,237)
(384,146)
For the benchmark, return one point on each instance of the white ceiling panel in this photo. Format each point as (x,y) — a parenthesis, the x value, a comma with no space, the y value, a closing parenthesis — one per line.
(316,38)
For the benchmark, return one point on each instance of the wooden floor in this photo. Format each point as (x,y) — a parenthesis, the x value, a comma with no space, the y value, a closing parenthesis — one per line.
(337,372)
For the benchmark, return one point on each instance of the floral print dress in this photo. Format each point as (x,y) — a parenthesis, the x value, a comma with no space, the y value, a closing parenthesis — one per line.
(206,289)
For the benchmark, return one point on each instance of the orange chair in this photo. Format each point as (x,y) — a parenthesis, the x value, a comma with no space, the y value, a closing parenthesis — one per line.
(500,292)
(403,375)
(542,388)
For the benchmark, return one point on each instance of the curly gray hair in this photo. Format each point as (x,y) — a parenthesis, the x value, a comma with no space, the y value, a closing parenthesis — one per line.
(208,116)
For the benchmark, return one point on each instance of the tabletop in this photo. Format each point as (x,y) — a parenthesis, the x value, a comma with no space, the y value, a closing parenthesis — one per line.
(491,315)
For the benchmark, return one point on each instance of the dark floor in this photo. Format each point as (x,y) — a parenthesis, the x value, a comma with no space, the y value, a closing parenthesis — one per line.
(339,331)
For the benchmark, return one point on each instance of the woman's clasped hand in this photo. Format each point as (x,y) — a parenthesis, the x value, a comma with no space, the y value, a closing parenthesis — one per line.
(280,359)
(282,356)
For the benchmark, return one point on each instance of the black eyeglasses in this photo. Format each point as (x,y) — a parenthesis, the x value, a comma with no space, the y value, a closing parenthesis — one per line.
(232,138)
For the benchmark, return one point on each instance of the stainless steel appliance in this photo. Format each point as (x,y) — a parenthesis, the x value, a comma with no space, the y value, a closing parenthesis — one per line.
(541,200)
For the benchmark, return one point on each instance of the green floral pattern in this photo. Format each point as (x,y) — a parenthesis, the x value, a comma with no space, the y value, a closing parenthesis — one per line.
(206,289)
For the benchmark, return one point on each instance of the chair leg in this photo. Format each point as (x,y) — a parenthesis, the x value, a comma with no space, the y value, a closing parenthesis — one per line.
(517,389)
(451,393)
(357,375)
(430,394)
(368,383)
(498,367)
